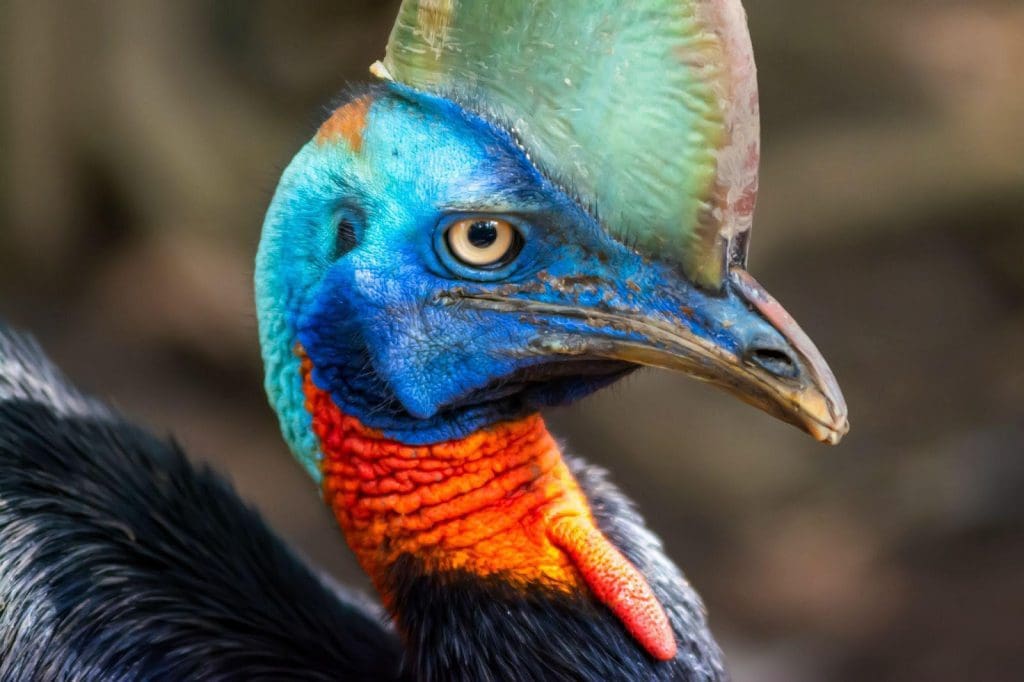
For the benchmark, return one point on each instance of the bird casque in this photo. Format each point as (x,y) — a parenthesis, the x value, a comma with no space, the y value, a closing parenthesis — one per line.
(534,199)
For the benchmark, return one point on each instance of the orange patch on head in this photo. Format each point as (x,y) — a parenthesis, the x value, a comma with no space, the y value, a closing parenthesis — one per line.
(500,501)
(348,122)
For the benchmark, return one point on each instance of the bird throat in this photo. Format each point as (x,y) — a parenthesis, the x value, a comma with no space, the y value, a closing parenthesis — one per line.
(499,503)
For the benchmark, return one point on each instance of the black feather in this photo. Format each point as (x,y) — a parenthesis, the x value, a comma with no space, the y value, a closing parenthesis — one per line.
(121,560)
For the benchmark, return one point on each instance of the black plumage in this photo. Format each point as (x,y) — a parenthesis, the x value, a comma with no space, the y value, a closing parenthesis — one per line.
(120,560)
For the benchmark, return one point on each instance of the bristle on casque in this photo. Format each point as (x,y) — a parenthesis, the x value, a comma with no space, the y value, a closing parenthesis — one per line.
(646,109)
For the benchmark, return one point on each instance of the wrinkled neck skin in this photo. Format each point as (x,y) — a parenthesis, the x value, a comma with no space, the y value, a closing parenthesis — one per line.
(501,559)
(500,504)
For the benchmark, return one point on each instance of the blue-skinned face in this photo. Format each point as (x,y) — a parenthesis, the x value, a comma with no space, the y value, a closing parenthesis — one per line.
(440,282)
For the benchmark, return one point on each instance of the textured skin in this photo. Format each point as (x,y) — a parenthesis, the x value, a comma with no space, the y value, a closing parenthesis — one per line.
(500,502)
(119,560)
(616,583)
(460,627)
(648,109)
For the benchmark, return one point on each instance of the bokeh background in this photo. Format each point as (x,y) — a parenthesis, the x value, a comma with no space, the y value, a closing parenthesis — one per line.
(141,142)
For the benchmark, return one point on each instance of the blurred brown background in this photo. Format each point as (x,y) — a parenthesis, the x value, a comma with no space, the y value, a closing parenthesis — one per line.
(141,142)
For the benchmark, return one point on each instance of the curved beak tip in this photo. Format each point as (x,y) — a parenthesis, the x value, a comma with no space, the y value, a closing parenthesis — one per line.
(829,434)
(820,408)
(840,423)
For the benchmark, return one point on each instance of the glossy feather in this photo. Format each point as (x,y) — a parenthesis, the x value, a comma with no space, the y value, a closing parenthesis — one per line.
(120,560)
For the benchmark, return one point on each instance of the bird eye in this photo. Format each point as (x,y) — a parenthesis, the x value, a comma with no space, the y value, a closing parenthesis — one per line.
(483,242)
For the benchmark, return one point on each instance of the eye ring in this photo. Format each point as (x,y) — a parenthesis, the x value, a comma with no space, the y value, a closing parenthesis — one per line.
(483,242)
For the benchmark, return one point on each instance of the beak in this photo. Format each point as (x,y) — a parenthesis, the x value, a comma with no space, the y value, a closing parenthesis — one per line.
(773,365)
(740,339)
(811,398)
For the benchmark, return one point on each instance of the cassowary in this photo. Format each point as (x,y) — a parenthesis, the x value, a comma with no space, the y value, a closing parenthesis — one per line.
(536,198)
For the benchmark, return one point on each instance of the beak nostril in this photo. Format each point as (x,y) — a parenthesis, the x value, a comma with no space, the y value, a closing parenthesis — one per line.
(774,361)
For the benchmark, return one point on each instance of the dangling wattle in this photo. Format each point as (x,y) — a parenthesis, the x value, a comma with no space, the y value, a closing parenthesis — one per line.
(500,502)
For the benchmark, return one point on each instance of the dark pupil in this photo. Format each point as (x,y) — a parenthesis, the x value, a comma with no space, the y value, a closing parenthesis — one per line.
(483,233)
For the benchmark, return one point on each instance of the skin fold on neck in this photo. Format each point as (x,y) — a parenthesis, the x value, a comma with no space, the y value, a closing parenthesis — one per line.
(500,502)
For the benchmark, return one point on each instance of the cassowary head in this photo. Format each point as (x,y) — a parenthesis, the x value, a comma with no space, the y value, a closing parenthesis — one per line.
(514,220)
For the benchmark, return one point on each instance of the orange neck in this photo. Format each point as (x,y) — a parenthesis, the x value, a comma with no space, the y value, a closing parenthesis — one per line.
(500,501)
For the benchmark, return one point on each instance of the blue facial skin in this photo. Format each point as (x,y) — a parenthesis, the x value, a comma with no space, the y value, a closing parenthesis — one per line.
(379,315)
